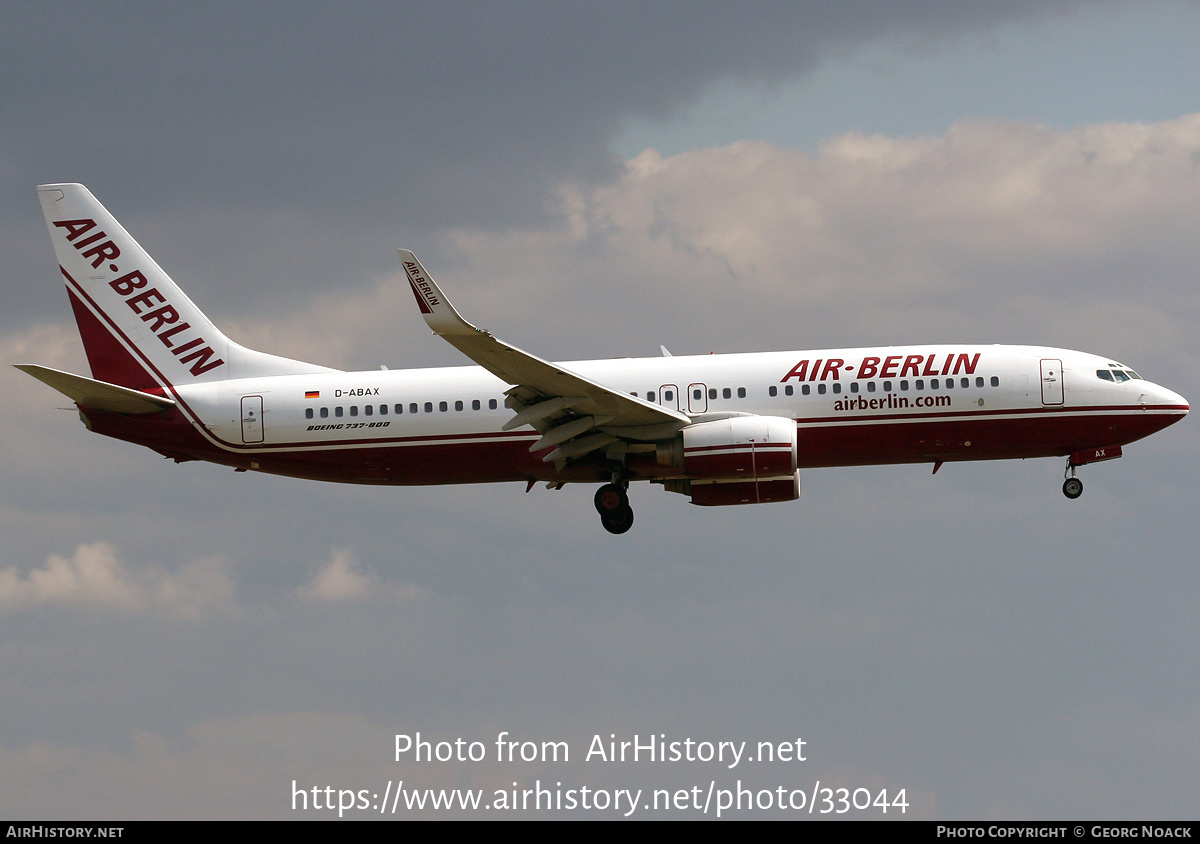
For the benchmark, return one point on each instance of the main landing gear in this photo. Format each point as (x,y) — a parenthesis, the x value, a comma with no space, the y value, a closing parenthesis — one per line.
(612,503)
(1072,486)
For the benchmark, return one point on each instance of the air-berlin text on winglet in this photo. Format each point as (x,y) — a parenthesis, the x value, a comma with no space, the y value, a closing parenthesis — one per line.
(426,298)
(163,321)
(890,366)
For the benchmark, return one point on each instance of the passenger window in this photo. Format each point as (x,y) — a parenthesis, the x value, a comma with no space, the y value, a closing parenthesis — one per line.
(324,413)
(458,405)
(726,393)
(887,386)
(429,407)
(966,382)
(741,392)
(412,407)
(773,390)
(337,411)
(712,392)
(837,388)
(650,396)
(821,389)
(904,386)
(491,404)
(787,391)
(933,383)
(442,406)
(979,381)
(854,386)
(369,410)
(919,384)
(870,386)
(308,414)
(354,410)
(697,394)
(805,389)
(668,395)
(995,381)
(475,405)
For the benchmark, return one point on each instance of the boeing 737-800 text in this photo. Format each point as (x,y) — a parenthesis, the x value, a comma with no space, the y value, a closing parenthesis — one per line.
(720,429)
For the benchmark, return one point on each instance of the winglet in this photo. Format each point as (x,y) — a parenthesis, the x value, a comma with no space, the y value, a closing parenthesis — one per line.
(440,315)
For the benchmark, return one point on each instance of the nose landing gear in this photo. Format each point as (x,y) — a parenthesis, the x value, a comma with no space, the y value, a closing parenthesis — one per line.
(1072,486)
(612,503)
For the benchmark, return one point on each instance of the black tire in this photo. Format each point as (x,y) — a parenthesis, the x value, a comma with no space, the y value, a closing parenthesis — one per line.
(609,499)
(1072,488)
(619,521)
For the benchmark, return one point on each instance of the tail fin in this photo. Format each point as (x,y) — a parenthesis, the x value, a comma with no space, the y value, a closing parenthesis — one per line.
(138,328)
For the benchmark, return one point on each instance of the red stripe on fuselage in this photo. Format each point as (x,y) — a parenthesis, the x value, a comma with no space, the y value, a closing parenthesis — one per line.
(485,457)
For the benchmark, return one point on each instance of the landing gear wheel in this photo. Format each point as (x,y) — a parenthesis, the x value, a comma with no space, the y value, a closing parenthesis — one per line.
(619,521)
(610,498)
(1072,488)
(612,503)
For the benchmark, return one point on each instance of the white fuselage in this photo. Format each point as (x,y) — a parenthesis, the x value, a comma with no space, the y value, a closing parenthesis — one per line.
(852,407)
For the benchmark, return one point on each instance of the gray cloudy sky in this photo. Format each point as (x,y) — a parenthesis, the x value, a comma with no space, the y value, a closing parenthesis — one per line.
(181,641)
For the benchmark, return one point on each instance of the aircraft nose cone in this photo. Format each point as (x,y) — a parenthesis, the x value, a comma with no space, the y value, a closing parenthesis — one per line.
(1163,396)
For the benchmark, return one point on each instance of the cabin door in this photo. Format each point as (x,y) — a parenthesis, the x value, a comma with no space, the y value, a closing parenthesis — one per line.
(252,425)
(1052,382)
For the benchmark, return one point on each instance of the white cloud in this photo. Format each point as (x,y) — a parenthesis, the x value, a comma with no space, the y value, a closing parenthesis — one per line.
(343,579)
(1006,225)
(94,577)
(873,239)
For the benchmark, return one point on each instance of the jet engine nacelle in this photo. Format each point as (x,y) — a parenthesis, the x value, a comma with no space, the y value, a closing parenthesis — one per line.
(761,491)
(736,460)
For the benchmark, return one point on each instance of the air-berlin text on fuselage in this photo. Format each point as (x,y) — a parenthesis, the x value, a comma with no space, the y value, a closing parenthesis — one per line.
(890,366)
(164,320)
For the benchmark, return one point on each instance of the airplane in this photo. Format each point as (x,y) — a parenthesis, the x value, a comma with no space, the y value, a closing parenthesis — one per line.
(723,430)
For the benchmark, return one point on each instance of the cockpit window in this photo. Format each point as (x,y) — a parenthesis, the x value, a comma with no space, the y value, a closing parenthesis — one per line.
(1117,375)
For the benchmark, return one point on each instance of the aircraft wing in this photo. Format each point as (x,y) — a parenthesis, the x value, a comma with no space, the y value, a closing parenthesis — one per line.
(571,411)
(98,395)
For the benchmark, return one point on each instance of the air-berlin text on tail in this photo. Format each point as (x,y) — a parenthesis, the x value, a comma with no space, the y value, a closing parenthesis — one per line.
(163,321)
(889,366)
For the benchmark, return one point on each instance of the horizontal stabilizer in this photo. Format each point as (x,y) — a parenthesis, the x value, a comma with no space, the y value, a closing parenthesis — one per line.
(97,395)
